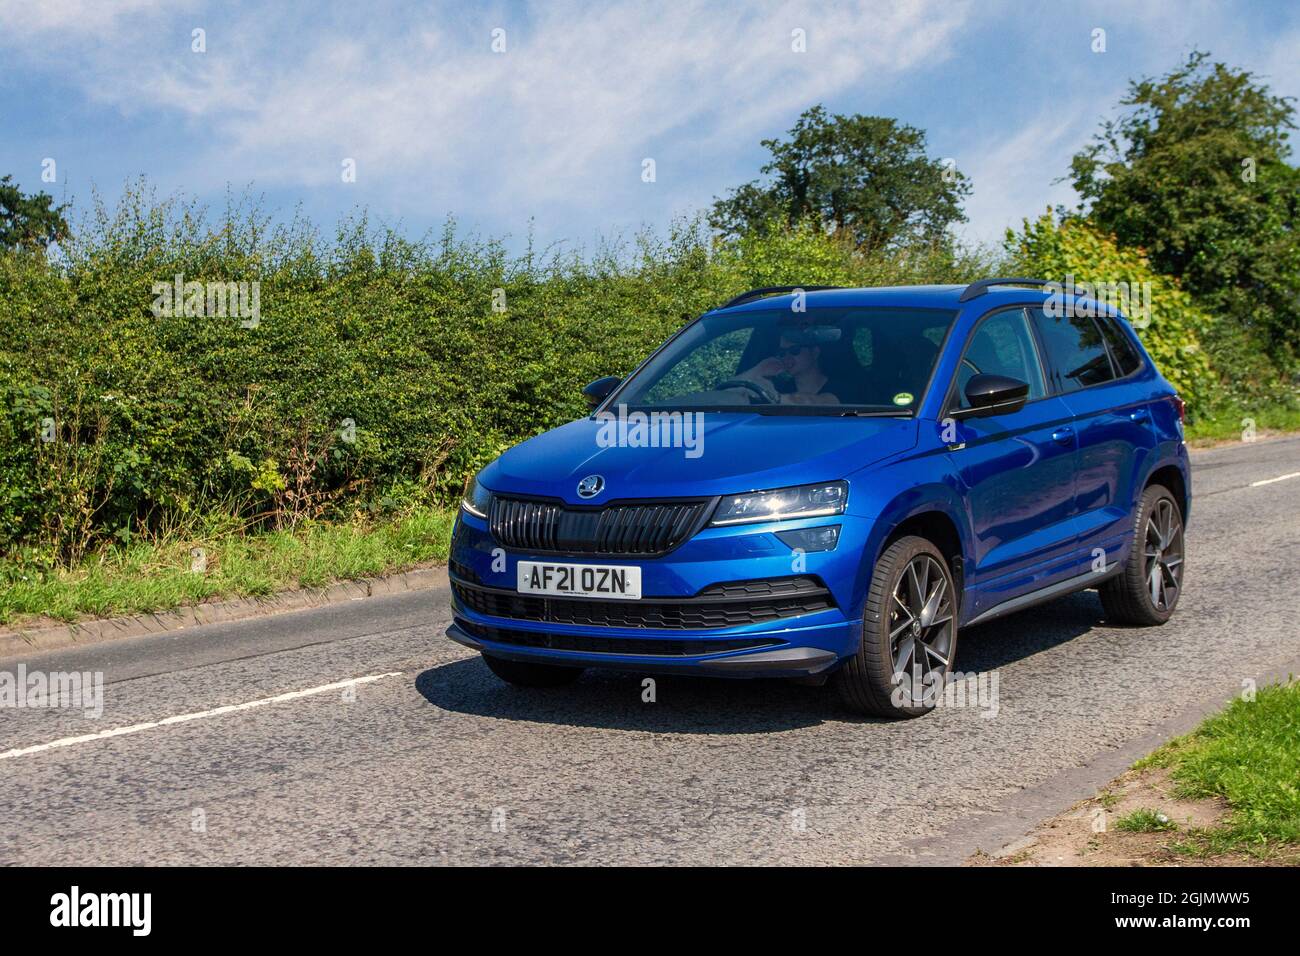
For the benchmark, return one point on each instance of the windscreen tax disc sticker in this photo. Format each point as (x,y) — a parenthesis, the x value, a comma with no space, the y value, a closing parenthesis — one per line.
(903,398)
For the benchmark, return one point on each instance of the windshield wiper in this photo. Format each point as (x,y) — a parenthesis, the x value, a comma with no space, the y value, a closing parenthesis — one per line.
(828,411)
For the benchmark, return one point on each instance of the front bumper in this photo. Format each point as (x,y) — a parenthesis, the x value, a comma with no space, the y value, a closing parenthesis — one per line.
(790,660)
(786,644)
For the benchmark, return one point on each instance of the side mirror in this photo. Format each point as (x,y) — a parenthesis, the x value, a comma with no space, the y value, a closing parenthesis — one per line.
(994,395)
(599,390)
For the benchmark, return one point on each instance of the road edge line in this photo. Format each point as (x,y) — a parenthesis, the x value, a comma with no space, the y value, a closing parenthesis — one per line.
(173,720)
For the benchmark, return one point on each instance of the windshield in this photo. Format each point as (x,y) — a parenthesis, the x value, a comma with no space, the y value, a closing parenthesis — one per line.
(822,361)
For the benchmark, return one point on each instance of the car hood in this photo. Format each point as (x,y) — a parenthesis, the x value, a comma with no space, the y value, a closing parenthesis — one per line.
(735,452)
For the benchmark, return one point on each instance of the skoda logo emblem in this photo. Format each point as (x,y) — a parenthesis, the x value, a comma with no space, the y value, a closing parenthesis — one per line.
(591,486)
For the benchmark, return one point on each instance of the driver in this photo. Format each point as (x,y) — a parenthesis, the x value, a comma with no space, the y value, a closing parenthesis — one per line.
(802,363)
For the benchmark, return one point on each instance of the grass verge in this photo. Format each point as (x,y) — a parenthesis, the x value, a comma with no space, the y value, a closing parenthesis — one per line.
(1248,755)
(1227,794)
(178,570)
(1233,423)
(1145,820)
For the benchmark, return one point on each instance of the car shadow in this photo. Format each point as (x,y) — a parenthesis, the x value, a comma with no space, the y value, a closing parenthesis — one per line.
(612,700)
(1017,636)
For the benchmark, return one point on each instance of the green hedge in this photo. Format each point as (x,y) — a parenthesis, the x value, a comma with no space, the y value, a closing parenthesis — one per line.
(160,418)
(1173,330)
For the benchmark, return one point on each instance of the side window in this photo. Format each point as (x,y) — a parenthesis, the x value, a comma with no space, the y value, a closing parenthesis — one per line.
(1075,348)
(1122,350)
(1001,345)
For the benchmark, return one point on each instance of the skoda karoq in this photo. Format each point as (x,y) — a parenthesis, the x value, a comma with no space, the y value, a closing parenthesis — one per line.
(830,484)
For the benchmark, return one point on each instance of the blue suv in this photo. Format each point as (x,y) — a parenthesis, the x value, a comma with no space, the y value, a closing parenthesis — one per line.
(824,483)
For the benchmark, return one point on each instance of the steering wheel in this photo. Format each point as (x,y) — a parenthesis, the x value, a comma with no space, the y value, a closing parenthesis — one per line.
(766,393)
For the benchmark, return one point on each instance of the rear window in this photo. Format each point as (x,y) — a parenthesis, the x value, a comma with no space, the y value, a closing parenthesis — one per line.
(1122,350)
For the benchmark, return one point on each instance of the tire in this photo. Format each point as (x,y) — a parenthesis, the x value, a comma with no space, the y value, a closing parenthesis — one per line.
(529,674)
(1127,597)
(867,683)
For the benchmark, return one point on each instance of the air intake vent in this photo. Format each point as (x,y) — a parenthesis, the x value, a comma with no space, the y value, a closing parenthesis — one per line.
(735,604)
(645,529)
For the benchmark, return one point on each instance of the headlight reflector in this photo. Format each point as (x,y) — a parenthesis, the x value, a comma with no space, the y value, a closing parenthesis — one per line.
(476,499)
(805,501)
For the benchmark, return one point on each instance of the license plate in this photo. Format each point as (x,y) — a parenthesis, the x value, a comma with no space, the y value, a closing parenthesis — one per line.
(580,580)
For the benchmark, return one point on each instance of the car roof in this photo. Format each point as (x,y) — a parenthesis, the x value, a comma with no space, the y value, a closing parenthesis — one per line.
(908,296)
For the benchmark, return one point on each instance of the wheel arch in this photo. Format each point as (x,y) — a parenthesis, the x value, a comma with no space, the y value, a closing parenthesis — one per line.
(940,530)
(1170,475)
(931,512)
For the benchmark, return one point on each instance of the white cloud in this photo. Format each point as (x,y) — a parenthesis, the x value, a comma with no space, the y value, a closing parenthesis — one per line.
(558,125)
(67,18)
(581,95)
(1012,175)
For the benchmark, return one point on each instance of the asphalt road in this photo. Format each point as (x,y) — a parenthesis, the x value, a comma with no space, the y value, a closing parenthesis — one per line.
(435,761)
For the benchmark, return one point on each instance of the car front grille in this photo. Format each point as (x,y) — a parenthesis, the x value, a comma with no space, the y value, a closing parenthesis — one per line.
(643,529)
(723,605)
(591,644)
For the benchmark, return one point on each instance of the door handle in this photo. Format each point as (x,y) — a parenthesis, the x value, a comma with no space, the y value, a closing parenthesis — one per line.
(1063,436)
(1140,415)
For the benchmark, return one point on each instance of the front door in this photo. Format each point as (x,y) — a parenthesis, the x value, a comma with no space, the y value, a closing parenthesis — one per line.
(1017,469)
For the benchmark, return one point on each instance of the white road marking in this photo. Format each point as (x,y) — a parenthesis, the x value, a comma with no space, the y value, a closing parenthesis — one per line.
(199,715)
(1269,481)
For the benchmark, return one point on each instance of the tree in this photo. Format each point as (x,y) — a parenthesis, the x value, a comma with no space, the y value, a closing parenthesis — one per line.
(29,222)
(865,177)
(1195,173)
(1172,328)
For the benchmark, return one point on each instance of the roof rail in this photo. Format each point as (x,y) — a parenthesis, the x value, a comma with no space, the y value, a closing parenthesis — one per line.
(775,290)
(976,289)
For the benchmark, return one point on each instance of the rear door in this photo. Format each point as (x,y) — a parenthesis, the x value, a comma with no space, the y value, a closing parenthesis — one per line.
(1017,469)
(1096,378)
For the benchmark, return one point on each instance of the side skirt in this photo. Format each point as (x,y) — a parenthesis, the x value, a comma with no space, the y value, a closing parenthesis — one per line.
(1081,582)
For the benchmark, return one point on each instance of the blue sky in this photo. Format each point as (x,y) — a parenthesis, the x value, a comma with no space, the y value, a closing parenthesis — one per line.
(557,126)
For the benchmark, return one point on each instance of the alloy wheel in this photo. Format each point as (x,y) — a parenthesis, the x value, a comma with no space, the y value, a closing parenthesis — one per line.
(921,622)
(1164,555)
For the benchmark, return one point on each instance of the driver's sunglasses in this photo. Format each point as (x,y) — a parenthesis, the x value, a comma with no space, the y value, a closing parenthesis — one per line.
(785,350)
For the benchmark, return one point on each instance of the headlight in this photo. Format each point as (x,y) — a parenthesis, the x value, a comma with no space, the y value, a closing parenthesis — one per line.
(806,501)
(476,499)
